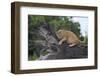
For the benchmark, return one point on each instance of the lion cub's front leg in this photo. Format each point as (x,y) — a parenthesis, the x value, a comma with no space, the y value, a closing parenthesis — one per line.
(62,40)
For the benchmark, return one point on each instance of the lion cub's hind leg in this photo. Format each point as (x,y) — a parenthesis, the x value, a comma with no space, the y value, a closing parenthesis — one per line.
(71,45)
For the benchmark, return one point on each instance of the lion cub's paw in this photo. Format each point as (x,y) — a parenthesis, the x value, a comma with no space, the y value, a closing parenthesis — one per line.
(60,43)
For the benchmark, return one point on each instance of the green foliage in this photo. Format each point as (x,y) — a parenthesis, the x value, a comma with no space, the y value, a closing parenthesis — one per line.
(58,22)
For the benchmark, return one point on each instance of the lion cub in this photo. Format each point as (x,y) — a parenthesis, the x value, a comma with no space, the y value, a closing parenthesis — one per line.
(67,36)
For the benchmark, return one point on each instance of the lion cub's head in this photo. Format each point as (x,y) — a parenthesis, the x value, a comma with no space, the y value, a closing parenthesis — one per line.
(60,33)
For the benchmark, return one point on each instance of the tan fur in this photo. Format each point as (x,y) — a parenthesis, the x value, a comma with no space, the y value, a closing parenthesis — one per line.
(67,36)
